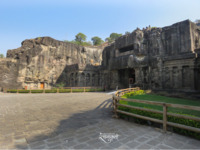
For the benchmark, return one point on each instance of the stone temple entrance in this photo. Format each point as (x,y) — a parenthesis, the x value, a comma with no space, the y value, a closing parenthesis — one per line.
(126,77)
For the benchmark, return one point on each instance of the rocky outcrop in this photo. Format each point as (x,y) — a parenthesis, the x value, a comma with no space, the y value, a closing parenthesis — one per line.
(8,73)
(44,60)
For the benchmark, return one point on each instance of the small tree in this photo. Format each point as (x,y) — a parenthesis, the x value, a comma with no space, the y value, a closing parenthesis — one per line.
(80,38)
(113,37)
(97,40)
(1,56)
(127,33)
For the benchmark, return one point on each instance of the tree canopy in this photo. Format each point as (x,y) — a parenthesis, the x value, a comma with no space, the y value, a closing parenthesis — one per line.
(80,37)
(113,37)
(1,56)
(127,33)
(96,40)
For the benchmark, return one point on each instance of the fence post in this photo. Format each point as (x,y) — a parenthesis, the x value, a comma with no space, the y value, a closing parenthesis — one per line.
(115,107)
(17,91)
(164,117)
(84,89)
(57,90)
(71,90)
(43,90)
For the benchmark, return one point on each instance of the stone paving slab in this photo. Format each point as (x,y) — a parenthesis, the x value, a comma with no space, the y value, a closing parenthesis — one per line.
(75,121)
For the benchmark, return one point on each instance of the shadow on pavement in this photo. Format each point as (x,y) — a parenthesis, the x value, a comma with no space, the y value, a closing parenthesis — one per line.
(76,121)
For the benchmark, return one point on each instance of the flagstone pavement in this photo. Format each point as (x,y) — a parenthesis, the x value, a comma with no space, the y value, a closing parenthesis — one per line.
(76,121)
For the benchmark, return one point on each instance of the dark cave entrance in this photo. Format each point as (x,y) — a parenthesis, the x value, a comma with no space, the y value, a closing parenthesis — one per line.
(126,77)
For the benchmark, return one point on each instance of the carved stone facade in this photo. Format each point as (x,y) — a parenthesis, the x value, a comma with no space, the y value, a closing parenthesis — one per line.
(155,58)
(152,58)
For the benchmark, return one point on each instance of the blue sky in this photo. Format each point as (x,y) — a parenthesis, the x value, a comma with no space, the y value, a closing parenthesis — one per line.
(63,19)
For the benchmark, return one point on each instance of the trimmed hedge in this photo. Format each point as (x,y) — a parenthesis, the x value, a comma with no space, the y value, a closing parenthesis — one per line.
(93,90)
(12,91)
(77,90)
(89,90)
(55,90)
(24,91)
(36,91)
(64,90)
(50,91)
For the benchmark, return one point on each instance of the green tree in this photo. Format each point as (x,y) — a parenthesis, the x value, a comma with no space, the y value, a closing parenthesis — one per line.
(1,56)
(113,37)
(80,38)
(97,40)
(127,33)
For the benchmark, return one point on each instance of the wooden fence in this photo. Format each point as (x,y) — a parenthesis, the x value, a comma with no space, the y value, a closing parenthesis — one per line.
(116,98)
(57,90)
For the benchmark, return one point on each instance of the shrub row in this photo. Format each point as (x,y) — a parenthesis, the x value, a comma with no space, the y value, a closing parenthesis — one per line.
(173,119)
(36,91)
(133,93)
(54,90)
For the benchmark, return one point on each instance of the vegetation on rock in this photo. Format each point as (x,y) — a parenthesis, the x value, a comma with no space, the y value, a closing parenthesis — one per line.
(113,37)
(97,40)
(1,56)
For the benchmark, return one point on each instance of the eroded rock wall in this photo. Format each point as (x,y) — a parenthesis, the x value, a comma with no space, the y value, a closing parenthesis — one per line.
(43,60)
(8,74)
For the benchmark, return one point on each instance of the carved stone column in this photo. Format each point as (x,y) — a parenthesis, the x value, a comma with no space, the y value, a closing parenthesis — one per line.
(192,73)
(171,76)
(180,77)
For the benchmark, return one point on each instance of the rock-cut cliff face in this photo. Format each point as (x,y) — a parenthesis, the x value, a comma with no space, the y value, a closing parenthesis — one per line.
(44,60)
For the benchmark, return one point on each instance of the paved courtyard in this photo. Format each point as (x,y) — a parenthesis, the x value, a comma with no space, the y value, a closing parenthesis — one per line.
(75,121)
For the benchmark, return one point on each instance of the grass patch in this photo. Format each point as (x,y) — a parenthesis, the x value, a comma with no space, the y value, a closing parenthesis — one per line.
(140,95)
(164,99)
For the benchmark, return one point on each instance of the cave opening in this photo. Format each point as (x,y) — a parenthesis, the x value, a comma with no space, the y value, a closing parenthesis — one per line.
(127,48)
(126,77)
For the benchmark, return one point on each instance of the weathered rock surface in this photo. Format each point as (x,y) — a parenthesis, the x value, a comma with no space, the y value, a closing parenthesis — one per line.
(155,58)
(44,60)
(8,73)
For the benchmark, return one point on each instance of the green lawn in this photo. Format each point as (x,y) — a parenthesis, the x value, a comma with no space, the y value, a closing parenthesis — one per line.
(158,98)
